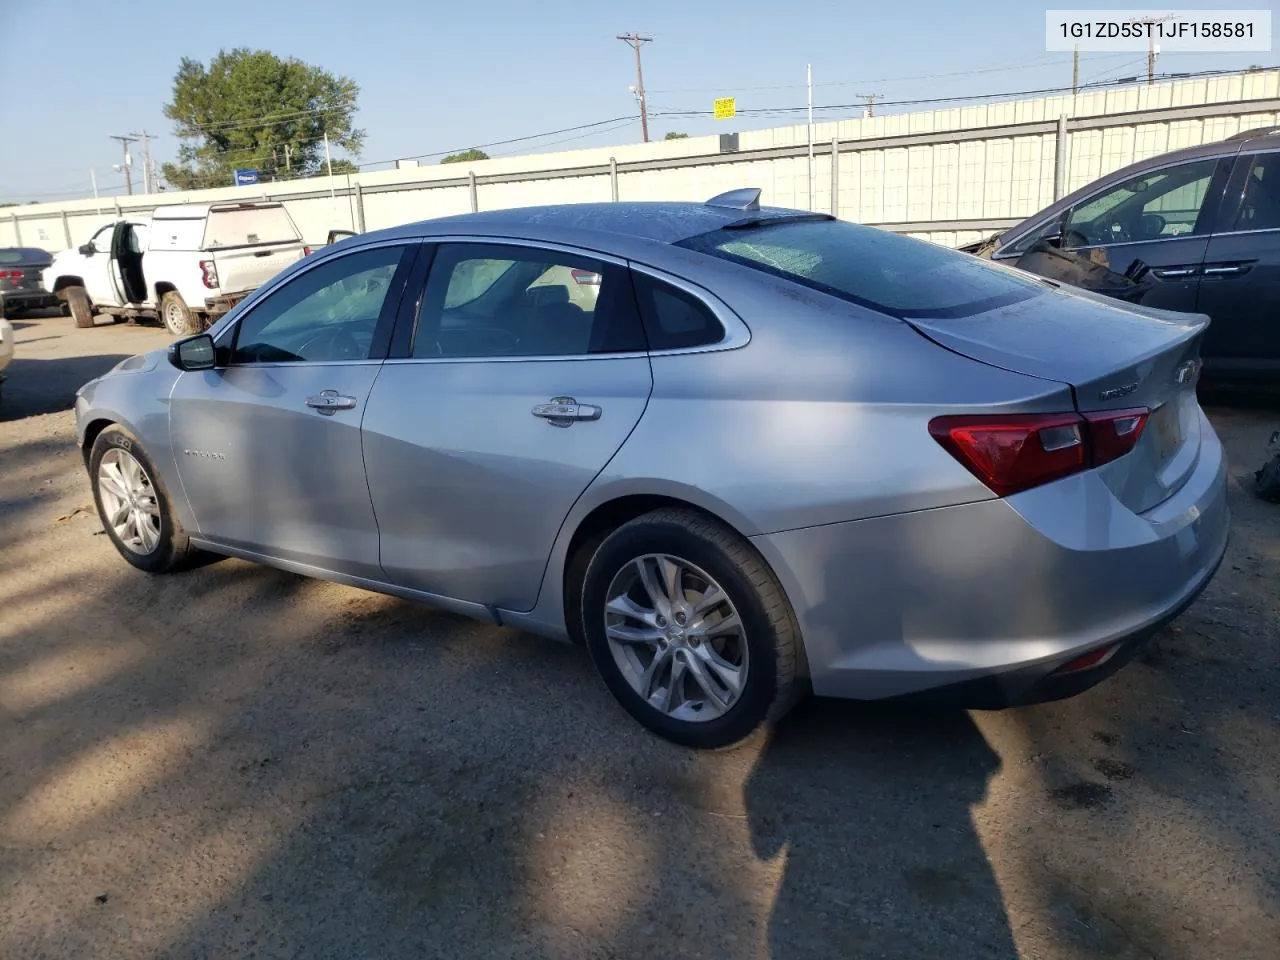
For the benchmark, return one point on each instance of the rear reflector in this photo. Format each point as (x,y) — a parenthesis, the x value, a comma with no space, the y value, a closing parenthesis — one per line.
(1020,451)
(1094,658)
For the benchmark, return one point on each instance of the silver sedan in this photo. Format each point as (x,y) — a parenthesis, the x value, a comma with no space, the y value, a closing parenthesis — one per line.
(740,453)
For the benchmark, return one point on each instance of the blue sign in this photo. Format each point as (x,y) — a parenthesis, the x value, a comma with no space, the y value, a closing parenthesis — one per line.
(246,177)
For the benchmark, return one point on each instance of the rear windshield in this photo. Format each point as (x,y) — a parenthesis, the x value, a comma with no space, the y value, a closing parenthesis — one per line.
(875,268)
(248,226)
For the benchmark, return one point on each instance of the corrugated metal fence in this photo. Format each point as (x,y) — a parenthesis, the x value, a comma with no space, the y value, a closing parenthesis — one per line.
(950,176)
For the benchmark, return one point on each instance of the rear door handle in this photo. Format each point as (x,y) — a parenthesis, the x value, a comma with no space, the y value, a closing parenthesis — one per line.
(1227,269)
(565,411)
(327,401)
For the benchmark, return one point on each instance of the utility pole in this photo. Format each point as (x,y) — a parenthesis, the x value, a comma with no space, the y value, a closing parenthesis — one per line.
(328,162)
(1075,70)
(127,163)
(634,40)
(288,163)
(1152,50)
(871,99)
(148,175)
(808,73)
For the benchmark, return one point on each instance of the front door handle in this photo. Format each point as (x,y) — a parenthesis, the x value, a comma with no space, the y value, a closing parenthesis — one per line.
(565,411)
(327,401)
(1226,269)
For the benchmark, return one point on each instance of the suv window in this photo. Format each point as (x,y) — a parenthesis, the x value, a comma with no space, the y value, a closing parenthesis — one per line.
(493,300)
(327,313)
(672,318)
(1260,206)
(1162,203)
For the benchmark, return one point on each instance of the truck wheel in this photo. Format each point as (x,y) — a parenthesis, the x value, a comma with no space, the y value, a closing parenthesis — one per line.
(79,307)
(177,316)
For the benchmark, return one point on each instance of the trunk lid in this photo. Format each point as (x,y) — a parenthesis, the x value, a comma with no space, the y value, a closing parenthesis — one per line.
(1114,356)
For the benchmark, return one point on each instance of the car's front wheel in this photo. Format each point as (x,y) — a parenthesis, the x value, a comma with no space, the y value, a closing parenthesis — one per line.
(134,506)
(690,629)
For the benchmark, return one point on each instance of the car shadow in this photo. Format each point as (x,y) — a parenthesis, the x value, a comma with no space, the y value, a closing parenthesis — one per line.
(35,387)
(882,855)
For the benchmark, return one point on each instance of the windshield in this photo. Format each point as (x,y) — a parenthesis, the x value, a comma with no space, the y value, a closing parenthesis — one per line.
(875,268)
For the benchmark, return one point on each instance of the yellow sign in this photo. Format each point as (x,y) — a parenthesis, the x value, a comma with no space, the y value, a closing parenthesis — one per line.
(725,108)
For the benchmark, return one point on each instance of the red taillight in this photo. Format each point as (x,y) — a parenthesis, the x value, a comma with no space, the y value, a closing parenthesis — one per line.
(209,274)
(306,251)
(1115,433)
(1020,451)
(6,274)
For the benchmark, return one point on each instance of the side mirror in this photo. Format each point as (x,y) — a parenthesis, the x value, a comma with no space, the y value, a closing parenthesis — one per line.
(88,249)
(193,353)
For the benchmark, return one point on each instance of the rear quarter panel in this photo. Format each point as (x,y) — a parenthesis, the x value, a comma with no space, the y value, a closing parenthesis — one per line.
(821,418)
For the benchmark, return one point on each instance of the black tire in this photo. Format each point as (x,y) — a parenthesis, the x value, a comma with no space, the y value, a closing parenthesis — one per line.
(1267,480)
(78,306)
(173,551)
(177,317)
(775,681)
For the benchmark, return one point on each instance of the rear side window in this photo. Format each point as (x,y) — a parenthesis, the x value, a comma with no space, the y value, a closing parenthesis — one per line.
(674,319)
(875,268)
(488,301)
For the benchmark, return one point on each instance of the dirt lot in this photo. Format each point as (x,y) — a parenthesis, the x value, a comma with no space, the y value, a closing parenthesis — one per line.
(237,762)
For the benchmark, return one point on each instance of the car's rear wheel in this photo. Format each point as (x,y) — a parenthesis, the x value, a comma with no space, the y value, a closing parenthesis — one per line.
(690,630)
(78,306)
(177,316)
(134,506)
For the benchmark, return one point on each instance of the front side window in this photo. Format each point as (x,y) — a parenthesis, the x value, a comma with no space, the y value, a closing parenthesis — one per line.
(1260,206)
(492,300)
(328,313)
(878,269)
(102,239)
(1159,204)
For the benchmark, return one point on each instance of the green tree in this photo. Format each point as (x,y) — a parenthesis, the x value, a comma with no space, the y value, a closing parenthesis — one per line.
(466,156)
(675,135)
(252,109)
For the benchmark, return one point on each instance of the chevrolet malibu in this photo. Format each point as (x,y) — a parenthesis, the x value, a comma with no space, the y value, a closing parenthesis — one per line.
(739,452)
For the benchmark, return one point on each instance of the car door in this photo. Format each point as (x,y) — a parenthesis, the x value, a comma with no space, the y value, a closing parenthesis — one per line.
(1240,285)
(98,268)
(1160,218)
(525,372)
(268,442)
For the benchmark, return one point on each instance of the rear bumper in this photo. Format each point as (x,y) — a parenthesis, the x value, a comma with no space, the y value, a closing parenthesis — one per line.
(26,299)
(978,605)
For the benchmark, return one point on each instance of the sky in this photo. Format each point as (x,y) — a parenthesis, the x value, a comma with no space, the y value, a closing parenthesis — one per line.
(439,77)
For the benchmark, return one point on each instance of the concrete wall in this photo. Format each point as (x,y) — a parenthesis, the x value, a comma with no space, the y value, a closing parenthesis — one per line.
(950,176)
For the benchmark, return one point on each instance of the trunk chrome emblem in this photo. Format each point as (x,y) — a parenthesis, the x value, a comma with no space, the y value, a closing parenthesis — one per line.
(1187,371)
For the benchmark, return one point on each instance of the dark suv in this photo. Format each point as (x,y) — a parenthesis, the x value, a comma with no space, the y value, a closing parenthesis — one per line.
(21,280)
(1196,230)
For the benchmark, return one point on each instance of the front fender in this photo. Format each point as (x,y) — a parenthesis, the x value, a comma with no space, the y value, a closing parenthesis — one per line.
(137,398)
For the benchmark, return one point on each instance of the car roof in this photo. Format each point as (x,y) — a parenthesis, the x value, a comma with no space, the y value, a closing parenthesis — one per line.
(646,222)
(28,254)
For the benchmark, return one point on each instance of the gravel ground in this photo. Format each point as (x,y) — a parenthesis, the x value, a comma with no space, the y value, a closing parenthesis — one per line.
(237,762)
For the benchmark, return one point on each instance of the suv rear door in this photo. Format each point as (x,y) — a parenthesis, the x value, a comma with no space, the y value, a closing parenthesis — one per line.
(1240,285)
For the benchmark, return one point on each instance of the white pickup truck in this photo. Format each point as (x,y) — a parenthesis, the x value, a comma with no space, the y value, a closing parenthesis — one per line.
(186,265)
